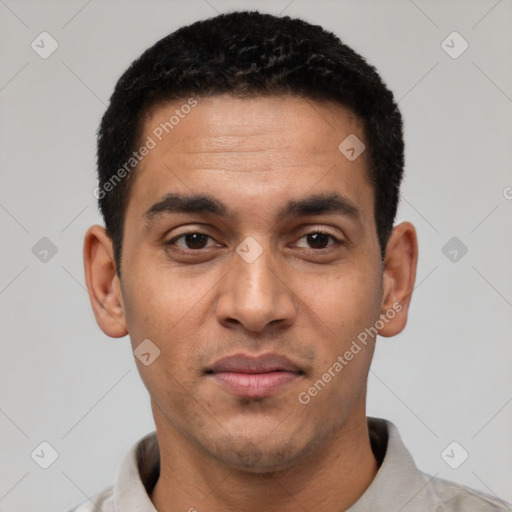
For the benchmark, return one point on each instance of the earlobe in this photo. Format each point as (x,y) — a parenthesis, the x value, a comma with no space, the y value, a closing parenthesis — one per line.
(399,276)
(103,283)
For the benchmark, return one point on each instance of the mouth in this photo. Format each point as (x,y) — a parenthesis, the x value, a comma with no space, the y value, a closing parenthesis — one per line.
(255,377)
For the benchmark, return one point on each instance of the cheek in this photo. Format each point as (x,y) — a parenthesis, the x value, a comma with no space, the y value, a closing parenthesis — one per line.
(171,318)
(154,303)
(346,308)
(348,300)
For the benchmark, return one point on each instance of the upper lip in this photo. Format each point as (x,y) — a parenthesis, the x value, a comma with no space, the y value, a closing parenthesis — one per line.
(242,363)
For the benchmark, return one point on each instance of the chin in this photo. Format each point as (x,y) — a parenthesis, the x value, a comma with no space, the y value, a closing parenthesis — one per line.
(253,458)
(265,455)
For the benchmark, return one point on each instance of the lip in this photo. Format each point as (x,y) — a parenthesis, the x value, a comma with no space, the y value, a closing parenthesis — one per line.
(254,377)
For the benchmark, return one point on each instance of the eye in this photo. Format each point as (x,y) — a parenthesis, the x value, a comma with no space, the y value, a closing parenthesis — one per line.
(318,239)
(195,241)
(192,241)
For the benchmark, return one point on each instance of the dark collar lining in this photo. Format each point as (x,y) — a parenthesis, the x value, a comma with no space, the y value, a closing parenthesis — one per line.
(148,462)
(379,436)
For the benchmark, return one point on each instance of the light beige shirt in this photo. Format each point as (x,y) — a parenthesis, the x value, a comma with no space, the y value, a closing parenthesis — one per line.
(398,486)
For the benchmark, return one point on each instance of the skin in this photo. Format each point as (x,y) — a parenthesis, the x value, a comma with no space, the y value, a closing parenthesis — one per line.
(304,298)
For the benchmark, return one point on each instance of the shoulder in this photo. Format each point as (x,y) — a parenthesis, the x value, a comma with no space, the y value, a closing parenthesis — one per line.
(452,497)
(103,501)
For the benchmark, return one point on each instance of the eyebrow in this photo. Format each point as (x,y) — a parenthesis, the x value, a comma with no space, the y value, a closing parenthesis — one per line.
(319,204)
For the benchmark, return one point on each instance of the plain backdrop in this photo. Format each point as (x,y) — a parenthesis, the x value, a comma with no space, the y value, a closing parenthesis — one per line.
(445,378)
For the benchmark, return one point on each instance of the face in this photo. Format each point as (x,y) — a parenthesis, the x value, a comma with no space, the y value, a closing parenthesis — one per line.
(251,260)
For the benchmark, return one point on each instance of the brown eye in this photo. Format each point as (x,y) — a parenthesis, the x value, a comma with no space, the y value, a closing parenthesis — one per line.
(320,240)
(192,241)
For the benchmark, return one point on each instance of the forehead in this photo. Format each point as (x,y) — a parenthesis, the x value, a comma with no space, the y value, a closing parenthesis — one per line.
(222,123)
(243,148)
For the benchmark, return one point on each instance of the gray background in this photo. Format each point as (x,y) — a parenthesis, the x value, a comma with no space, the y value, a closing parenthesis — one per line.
(445,378)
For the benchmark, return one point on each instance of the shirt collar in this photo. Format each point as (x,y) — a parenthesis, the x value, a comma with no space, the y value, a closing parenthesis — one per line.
(133,485)
(397,482)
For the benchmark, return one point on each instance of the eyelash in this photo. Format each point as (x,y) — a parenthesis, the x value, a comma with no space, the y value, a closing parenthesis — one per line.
(314,232)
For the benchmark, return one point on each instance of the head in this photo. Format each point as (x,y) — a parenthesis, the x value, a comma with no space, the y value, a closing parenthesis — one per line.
(241,225)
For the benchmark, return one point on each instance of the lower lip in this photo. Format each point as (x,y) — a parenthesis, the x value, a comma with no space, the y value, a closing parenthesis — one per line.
(255,385)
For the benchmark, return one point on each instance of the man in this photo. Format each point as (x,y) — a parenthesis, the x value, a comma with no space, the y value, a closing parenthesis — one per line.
(249,171)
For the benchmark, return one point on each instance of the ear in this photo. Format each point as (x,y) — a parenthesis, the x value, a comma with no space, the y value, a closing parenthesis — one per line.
(399,275)
(103,283)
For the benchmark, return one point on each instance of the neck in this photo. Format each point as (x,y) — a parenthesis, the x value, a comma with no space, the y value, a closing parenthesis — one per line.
(333,478)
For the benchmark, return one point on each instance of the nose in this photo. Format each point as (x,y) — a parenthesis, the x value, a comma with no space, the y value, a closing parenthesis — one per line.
(256,295)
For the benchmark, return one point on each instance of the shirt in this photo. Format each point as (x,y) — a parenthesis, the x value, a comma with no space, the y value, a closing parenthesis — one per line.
(398,486)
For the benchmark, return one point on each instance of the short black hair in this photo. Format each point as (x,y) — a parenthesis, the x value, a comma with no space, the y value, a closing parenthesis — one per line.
(248,53)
